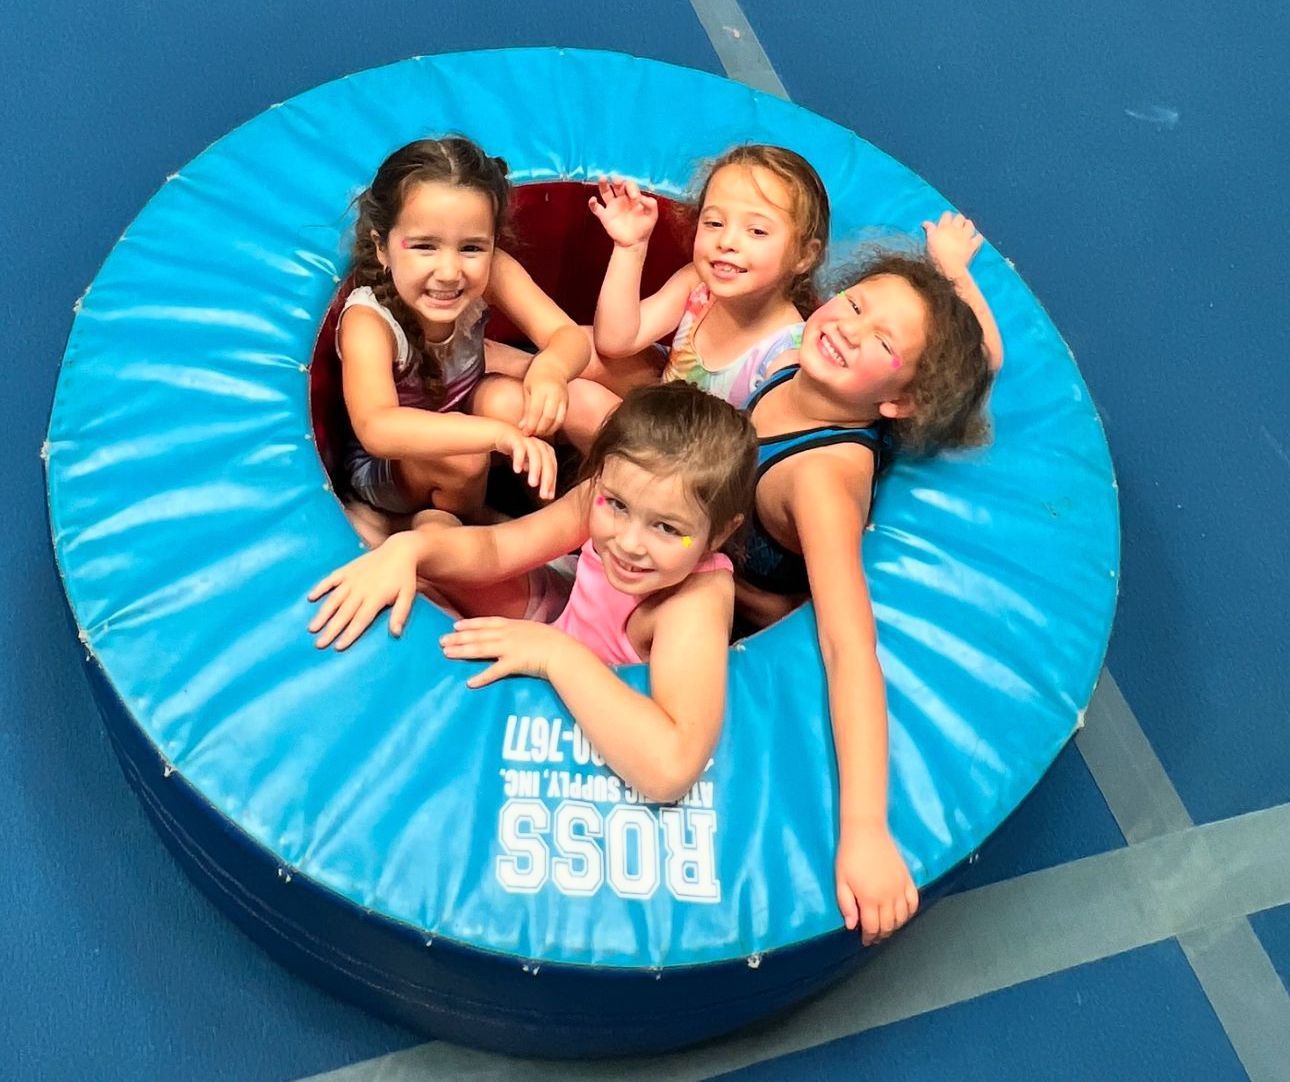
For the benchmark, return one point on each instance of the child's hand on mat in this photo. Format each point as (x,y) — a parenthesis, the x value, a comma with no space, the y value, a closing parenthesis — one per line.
(357,592)
(875,889)
(628,216)
(530,455)
(952,242)
(521,647)
(546,398)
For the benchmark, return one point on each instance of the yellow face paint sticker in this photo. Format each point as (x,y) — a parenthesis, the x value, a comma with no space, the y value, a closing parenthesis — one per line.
(687,540)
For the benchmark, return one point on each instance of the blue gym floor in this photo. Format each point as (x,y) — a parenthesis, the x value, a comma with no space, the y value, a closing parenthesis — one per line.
(1132,921)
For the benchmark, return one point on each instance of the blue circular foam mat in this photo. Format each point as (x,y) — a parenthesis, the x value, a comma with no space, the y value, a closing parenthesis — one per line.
(458,860)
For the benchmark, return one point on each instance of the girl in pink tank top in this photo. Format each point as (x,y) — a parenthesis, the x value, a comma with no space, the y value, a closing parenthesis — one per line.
(667,483)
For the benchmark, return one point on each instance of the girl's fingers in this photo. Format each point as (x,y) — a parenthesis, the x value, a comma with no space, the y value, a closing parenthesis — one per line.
(327,608)
(847,906)
(402,610)
(323,585)
(869,923)
(479,623)
(359,622)
(337,623)
(495,671)
(886,919)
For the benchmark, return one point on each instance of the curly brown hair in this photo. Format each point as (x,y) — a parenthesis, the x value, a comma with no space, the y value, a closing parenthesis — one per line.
(453,160)
(677,429)
(952,378)
(809,212)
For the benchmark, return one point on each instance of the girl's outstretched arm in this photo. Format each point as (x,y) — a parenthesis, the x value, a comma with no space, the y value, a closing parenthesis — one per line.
(563,349)
(625,324)
(952,243)
(874,887)
(356,593)
(657,743)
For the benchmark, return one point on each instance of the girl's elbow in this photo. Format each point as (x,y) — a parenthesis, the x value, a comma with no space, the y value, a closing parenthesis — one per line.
(664,786)
(371,435)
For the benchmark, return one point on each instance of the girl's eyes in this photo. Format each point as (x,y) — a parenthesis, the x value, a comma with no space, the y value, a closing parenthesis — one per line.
(847,297)
(884,343)
(467,249)
(712,223)
(615,505)
(759,232)
(668,528)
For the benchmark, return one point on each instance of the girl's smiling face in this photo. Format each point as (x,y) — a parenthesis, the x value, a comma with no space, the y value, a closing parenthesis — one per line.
(647,528)
(746,243)
(439,253)
(866,341)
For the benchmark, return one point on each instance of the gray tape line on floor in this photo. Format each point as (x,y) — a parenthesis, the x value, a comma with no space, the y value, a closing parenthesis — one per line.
(737,46)
(1125,767)
(1251,1002)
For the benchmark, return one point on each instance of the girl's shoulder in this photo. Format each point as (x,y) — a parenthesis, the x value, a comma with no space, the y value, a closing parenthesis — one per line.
(365,322)
(701,605)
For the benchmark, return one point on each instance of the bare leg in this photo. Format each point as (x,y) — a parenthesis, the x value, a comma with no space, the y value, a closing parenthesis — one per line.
(373,526)
(454,483)
(589,404)
(506,360)
(620,376)
(498,396)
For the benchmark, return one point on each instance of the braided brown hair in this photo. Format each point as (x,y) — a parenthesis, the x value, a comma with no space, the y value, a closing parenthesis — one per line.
(453,160)
(952,378)
(809,212)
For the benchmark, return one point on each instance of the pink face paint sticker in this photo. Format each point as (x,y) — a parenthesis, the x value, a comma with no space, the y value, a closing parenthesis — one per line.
(404,243)
(896,362)
(600,501)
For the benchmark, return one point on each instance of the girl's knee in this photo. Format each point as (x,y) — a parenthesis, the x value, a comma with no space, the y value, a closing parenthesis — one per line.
(589,405)
(500,397)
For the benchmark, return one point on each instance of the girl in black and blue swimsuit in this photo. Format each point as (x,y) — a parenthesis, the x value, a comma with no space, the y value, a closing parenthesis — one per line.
(903,358)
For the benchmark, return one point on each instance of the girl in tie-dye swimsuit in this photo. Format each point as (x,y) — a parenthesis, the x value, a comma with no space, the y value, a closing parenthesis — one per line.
(763,225)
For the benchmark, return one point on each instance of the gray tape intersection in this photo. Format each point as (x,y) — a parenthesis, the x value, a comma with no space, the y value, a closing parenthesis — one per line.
(971,944)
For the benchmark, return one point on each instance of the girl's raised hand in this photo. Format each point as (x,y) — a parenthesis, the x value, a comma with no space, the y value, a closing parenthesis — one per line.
(875,890)
(531,456)
(627,214)
(357,592)
(520,646)
(952,242)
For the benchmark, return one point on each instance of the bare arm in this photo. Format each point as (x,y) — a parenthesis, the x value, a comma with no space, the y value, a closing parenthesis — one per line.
(952,243)
(562,347)
(658,743)
(382,426)
(486,554)
(661,742)
(356,593)
(563,350)
(829,504)
(625,324)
